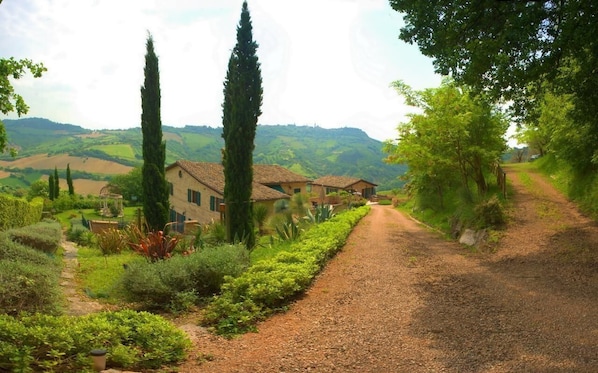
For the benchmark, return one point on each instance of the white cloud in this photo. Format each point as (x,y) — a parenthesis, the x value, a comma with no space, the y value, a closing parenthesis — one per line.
(324,62)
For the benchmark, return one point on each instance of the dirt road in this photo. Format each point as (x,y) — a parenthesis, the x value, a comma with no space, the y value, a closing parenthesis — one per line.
(400,298)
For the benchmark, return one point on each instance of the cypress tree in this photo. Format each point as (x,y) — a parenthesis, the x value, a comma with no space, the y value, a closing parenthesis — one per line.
(69,180)
(155,188)
(241,109)
(51,187)
(56,183)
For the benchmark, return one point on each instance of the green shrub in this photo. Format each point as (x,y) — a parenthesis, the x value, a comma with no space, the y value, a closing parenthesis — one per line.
(271,283)
(28,287)
(385,202)
(18,212)
(489,213)
(81,235)
(163,284)
(44,236)
(133,340)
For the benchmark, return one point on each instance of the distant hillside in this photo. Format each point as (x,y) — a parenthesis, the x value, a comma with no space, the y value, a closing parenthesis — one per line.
(311,151)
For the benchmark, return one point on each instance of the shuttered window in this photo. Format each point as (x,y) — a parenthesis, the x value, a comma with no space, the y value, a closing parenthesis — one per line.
(194,196)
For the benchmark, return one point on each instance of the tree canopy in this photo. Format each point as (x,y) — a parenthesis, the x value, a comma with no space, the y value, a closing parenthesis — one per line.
(453,140)
(241,109)
(509,49)
(10,100)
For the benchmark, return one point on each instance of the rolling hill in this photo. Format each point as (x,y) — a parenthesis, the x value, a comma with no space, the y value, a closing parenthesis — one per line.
(96,155)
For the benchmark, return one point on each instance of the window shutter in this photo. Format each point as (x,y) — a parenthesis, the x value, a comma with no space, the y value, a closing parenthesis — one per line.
(189,195)
(198,201)
(212,203)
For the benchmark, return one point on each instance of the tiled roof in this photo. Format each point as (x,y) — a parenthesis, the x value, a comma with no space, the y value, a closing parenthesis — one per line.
(269,174)
(339,181)
(212,175)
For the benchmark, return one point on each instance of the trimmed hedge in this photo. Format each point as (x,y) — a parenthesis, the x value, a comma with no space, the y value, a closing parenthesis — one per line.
(44,236)
(272,283)
(133,340)
(29,278)
(18,212)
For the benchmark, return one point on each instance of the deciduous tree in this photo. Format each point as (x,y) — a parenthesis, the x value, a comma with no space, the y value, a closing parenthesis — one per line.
(9,100)
(155,188)
(129,184)
(455,137)
(516,51)
(241,109)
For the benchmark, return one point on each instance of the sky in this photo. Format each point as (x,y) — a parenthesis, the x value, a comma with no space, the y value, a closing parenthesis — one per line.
(323,62)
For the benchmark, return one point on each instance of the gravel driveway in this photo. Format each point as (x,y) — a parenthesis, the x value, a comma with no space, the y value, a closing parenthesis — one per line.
(401,298)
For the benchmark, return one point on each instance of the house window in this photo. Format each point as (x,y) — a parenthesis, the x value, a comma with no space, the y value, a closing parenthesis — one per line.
(180,174)
(171,188)
(215,203)
(297,190)
(331,190)
(194,196)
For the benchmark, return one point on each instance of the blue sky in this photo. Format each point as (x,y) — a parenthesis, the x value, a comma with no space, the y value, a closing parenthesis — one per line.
(324,62)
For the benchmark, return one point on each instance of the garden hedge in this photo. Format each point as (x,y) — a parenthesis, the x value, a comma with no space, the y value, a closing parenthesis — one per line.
(270,284)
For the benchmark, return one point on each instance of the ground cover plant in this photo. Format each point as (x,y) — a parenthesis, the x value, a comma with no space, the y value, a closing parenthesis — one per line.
(133,340)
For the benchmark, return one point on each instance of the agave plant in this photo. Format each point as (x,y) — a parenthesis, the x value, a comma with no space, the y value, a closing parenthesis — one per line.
(155,246)
(322,213)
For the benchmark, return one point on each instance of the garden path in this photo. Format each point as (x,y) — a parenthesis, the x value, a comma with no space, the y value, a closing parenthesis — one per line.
(77,303)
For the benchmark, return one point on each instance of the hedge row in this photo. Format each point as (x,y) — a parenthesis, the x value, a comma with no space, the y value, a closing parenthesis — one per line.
(272,283)
(18,212)
(29,274)
(133,340)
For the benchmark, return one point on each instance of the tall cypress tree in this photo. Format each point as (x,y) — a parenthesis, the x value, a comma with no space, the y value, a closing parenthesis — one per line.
(241,109)
(51,187)
(69,180)
(155,188)
(56,183)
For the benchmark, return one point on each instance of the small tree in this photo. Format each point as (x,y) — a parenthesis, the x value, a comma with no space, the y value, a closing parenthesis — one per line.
(38,188)
(69,180)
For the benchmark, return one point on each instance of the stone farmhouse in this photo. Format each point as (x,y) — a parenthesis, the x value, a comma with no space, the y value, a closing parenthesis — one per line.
(197,188)
(335,184)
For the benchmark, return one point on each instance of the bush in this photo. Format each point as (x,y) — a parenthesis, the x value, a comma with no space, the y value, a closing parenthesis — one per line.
(80,235)
(44,236)
(133,340)
(166,283)
(489,213)
(29,287)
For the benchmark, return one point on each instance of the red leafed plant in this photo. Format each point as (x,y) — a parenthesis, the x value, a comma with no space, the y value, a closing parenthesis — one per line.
(155,246)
